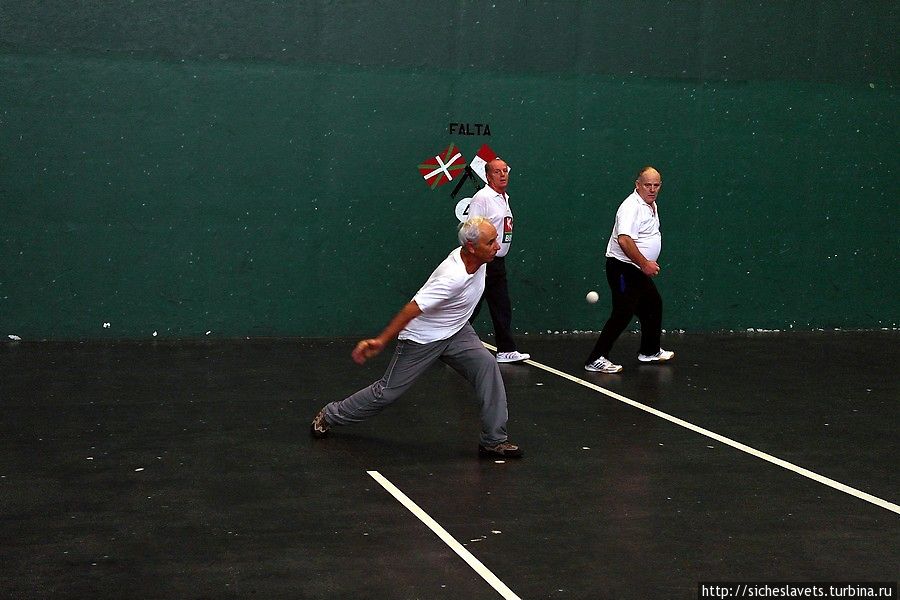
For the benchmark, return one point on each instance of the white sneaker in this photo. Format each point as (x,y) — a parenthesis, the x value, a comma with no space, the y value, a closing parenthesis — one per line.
(661,356)
(601,365)
(511,357)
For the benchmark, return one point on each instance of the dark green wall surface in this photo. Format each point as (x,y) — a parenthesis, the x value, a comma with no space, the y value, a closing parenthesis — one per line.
(249,169)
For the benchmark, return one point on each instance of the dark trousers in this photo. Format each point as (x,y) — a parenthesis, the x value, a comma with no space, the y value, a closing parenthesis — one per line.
(633,294)
(496,292)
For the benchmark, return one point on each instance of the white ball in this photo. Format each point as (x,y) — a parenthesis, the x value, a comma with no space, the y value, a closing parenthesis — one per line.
(592,297)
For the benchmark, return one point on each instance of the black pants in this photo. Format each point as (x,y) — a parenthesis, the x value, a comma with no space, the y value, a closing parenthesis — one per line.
(633,294)
(496,292)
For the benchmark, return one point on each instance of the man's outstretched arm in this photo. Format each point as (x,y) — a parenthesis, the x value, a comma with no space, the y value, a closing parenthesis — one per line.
(367,349)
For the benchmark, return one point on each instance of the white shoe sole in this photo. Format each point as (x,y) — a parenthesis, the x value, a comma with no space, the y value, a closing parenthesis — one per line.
(649,359)
(524,357)
(608,371)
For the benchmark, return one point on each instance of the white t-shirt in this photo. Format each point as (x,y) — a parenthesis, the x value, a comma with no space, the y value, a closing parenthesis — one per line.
(447,300)
(494,206)
(638,221)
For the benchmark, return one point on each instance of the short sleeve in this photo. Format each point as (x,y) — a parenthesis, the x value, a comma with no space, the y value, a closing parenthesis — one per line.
(434,293)
(628,220)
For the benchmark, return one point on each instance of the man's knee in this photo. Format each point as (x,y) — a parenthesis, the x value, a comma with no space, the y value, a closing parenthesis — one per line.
(489,369)
(385,394)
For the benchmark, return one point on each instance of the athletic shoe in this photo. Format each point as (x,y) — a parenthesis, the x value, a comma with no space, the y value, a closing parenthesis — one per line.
(502,450)
(511,357)
(602,365)
(661,356)
(319,427)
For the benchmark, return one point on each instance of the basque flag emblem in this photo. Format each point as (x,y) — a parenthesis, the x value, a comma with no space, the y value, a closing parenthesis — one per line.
(440,169)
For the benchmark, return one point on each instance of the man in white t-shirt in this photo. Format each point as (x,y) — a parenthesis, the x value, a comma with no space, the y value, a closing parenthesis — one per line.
(492,203)
(433,326)
(631,255)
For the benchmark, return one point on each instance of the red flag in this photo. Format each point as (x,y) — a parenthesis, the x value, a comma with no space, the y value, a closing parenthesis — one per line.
(484,156)
(441,169)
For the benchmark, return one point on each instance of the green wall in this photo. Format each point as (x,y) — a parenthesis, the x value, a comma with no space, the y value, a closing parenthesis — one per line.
(249,169)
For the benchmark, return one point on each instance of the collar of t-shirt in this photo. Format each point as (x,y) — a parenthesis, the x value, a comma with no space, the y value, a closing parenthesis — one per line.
(652,207)
(501,195)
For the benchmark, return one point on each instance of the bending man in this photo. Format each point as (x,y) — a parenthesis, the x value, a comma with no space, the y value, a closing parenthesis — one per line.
(433,326)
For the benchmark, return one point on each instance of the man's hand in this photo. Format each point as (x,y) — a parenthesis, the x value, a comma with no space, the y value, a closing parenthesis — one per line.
(650,268)
(366,349)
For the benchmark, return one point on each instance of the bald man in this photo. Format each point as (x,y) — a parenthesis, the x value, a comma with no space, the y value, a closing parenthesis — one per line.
(631,255)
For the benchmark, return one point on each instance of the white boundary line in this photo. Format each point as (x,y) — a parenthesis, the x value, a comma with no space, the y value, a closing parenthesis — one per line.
(446,537)
(720,438)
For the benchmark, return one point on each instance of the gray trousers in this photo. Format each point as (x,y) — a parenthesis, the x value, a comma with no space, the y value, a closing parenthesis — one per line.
(462,351)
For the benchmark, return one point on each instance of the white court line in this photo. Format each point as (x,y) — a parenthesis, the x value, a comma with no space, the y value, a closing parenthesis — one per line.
(446,537)
(720,438)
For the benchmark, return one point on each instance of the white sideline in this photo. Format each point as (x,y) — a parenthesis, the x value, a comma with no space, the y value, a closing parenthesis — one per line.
(720,438)
(446,537)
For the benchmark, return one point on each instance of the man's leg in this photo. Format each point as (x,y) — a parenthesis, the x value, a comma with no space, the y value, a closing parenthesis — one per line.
(649,313)
(409,361)
(467,356)
(496,291)
(625,295)
(477,309)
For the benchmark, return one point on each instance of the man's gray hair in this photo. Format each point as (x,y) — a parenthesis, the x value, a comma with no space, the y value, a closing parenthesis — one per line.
(470,230)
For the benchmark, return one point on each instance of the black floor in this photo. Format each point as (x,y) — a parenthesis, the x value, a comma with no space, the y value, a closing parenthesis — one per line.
(185,470)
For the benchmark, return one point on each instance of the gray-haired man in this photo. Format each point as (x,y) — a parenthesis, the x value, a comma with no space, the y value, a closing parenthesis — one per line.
(433,326)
